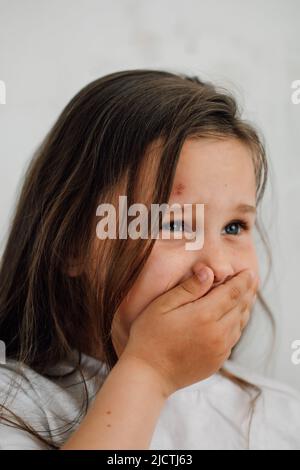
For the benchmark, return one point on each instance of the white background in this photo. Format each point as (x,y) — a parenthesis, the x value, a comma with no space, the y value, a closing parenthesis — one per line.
(50,49)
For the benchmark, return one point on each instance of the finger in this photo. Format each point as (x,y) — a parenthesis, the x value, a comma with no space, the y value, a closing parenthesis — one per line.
(232,318)
(233,324)
(235,336)
(240,309)
(245,317)
(188,291)
(254,300)
(227,296)
(232,329)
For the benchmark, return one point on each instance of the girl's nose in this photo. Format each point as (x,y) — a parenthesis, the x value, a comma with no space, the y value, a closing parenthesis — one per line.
(218,261)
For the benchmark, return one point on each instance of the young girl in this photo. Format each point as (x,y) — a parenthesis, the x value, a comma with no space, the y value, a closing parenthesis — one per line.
(125,343)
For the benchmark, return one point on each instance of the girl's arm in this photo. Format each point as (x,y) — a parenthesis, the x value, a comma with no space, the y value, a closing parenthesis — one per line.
(125,410)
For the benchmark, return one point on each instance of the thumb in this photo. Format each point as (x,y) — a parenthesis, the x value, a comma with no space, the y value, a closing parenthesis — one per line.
(189,290)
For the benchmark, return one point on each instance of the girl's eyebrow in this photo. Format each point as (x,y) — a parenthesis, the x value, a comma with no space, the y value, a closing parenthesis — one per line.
(245,208)
(240,207)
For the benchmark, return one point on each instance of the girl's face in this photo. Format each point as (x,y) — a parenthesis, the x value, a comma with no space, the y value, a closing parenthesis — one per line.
(220,174)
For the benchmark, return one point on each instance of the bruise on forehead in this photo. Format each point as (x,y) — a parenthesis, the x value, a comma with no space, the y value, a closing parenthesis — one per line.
(178,189)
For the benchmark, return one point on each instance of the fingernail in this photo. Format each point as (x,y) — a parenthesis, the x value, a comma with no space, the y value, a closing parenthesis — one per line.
(202,275)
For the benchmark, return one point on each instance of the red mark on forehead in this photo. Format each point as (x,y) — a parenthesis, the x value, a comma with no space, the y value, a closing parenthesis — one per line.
(179,189)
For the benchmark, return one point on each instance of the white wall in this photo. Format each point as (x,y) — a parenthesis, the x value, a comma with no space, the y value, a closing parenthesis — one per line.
(50,49)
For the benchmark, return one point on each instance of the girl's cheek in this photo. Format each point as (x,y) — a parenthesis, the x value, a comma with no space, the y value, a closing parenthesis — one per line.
(160,273)
(156,278)
(248,258)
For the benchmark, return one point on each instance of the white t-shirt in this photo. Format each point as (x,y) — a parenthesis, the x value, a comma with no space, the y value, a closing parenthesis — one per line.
(211,414)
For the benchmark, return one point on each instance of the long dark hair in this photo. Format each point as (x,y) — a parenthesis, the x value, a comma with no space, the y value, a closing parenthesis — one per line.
(99,148)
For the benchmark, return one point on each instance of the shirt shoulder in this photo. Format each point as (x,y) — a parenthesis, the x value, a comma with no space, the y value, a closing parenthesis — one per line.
(19,400)
(46,404)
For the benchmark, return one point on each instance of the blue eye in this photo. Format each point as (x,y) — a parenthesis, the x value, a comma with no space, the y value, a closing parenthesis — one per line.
(174,223)
(235,227)
(236,224)
(176,226)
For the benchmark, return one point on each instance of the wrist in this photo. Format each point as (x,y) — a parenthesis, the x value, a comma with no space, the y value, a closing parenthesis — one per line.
(146,373)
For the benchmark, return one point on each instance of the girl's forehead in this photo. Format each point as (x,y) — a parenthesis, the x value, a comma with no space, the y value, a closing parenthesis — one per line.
(209,168)
(212,158)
